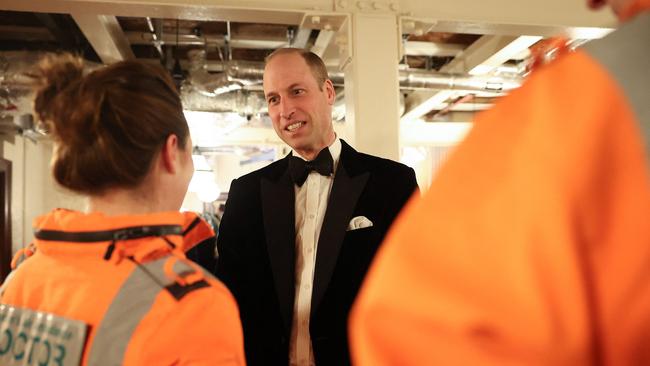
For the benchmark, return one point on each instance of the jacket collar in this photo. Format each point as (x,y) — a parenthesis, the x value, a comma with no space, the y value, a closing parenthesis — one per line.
(183,229)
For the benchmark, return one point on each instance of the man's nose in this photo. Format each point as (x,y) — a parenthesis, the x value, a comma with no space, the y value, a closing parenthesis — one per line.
(286,110)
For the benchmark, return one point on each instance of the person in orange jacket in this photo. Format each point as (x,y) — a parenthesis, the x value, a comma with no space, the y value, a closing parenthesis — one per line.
(113,286)
(532,246)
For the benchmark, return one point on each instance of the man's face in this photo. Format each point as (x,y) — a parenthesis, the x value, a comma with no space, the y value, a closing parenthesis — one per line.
(301,112)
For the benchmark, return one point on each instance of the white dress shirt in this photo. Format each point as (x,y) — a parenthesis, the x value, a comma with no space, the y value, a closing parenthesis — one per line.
(310,205)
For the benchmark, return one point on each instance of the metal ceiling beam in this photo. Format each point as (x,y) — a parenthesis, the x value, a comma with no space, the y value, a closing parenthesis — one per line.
(301,38)
(418,48)
(479,58)
(269,12)
(459,26)
(489,50)
(322,42)
(106,36)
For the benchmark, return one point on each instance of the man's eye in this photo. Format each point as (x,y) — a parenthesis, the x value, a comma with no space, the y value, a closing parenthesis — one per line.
(272,100)
(298,91)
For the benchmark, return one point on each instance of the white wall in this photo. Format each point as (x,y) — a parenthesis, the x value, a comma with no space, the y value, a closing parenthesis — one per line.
(33,190)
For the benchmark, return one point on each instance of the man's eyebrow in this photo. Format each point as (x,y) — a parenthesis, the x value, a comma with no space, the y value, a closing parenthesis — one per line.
(290,87)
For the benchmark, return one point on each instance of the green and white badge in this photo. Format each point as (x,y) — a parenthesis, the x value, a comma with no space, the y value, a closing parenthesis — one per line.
(30,337)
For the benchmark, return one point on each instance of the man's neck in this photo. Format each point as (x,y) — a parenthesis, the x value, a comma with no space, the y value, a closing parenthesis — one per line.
(312,153)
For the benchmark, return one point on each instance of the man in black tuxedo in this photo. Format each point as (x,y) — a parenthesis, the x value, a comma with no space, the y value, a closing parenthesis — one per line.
(297,236)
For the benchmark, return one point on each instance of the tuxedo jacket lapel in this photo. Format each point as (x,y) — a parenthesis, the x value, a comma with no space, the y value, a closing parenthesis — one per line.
(278,210)
(346,189)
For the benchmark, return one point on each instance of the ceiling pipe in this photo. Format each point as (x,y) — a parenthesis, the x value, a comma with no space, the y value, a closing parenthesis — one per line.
(418,80)
(252,73)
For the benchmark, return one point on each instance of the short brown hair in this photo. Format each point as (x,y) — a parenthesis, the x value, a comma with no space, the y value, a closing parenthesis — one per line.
(108,125)
(315,63)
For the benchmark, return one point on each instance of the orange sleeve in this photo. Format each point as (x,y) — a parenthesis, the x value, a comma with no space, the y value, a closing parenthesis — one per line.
(530,248)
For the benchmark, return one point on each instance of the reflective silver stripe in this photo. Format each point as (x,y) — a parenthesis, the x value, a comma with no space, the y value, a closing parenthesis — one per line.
(625,53)
(131,304)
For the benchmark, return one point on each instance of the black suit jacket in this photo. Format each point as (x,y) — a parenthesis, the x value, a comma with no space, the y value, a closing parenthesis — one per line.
(256,245)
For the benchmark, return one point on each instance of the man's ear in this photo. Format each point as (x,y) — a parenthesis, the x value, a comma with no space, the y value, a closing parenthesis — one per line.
(330,92)
(169,154)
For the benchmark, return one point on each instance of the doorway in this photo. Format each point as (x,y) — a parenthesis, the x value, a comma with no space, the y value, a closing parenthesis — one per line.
(5,218)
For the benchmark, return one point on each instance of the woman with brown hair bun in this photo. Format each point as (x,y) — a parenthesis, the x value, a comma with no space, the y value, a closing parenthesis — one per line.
(112,286)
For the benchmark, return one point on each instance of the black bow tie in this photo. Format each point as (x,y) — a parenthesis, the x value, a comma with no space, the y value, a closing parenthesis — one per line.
(300,169)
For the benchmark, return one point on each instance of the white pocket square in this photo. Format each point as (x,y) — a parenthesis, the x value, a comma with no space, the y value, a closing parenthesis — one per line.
(359,222)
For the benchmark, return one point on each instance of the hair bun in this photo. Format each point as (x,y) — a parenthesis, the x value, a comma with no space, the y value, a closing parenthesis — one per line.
(57,79)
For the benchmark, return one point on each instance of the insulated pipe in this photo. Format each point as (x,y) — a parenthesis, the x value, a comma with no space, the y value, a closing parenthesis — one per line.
(252,73)
(418,80)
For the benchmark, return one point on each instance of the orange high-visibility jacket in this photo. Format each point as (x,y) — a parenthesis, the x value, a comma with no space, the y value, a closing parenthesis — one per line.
(532,247)
(127,278)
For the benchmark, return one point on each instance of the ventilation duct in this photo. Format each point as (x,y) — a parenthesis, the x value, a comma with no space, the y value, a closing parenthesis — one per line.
(235,75)
(244,102)
(239,75)
(13,68)
(16,92)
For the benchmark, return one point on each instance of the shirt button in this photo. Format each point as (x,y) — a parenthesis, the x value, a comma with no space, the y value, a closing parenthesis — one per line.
(309,250)
(311,216)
